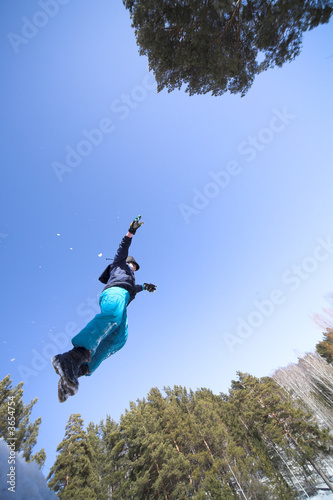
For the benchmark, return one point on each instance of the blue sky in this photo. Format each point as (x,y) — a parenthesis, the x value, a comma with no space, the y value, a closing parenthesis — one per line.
(235,194)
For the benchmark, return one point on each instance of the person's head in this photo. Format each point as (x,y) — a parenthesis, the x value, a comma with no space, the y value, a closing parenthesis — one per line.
(133,266)
(132,263)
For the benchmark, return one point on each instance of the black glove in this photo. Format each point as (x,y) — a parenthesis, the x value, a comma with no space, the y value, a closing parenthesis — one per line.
(135,225)
(149,286)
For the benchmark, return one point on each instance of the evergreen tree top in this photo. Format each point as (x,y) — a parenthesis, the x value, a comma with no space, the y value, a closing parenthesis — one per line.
(220,45)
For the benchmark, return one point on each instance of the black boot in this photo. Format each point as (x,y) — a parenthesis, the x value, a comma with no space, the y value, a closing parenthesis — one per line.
(67,366)
(63,392)
(83,370)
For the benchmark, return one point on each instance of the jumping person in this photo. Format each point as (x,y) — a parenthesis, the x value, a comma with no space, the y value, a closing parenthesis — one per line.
(107,332)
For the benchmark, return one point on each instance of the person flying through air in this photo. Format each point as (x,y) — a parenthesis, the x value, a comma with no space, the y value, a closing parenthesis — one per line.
(107,332)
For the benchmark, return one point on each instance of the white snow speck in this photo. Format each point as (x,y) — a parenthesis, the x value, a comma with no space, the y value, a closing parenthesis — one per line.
(58,234)
(100,255)
(71,248)
(13,359)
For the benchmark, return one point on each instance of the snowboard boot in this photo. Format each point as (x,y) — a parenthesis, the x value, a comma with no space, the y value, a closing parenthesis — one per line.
(67,366)
(83,370)
(63,393)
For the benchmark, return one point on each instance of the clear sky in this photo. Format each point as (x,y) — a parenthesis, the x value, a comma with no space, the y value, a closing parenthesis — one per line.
(235,194)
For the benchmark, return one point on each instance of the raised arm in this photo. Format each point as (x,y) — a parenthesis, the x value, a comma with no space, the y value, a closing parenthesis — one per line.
(122,252)
(135,224)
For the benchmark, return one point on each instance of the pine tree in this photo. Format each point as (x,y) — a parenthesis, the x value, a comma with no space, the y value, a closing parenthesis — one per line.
(267,410)
(152,461)
(114,463)
(325,347)
(310,383)
(73,475)
(176,473)
(260,471)
(214,45)
(325,320)
(254,443)
(209,439)
(14,411)
(95,440)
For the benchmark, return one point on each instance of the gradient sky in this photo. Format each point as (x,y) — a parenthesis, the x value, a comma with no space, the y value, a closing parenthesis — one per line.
(235,194)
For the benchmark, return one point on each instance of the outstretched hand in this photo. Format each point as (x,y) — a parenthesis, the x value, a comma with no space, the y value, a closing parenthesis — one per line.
(149,287)
(135,224)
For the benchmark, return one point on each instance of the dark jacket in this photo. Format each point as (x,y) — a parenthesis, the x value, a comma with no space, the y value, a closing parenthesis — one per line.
(119,273)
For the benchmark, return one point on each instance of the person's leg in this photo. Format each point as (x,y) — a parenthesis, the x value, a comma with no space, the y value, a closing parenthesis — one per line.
(67,366)
(109,345)
(63,392)
(113,303)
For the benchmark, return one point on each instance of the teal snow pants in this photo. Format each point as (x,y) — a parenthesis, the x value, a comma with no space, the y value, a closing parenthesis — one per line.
(107,332)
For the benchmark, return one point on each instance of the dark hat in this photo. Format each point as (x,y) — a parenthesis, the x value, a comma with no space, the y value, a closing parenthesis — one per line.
(132,259)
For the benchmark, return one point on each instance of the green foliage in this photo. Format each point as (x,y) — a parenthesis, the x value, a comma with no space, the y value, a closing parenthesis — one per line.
(269,415)
(112,464)
(215,45)
(325,347)
(268,409)
(73,475)
(12,407)
(251,443)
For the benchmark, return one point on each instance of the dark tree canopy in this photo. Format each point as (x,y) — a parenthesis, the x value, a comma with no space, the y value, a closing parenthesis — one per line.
(12,408)
(73,475)
(220,45)
(256,442)
(325,347)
